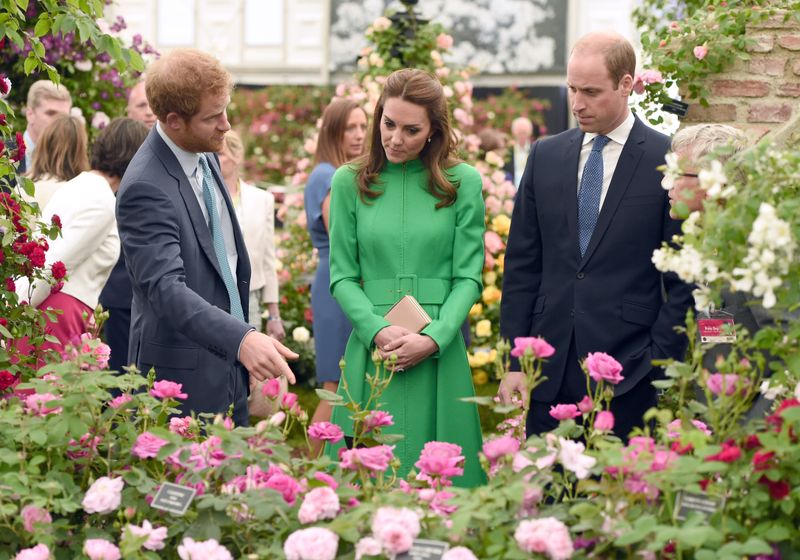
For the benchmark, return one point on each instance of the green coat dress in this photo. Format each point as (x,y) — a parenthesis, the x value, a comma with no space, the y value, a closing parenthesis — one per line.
(400,243)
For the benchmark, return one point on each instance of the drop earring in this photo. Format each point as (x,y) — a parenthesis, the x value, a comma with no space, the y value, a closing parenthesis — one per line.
(429,139)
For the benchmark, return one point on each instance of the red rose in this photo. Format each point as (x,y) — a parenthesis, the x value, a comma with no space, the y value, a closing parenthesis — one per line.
(37,257)
(2,123)
(704,484)
(763,460)
(775,418)
(10,286)
(778,489)
(56,221)
(3,321)
(7,379)
(752,442)
(20,154)
(5,83)
(57,287)
(729,453)
(59,270)
(2,145)
(308,315)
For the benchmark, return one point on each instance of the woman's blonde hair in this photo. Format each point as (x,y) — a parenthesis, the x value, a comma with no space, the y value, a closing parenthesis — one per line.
(62,150)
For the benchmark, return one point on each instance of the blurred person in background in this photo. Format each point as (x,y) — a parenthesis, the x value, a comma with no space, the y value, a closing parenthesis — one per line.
(522,138)
(46,102)
(62,155)
(89,244)
(138,107)
(341,139)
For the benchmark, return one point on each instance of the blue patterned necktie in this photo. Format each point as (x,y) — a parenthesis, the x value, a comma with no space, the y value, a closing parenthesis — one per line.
(210,199)
(589,193)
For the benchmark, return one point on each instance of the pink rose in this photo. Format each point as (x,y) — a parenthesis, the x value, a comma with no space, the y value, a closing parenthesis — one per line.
(564,411)
(377,419)
(101,549)
(394,538)
(603,367)
(646,77)
(375,459)
(104,496)
(203,550)
(181,426)
(586,405)
(546,535)
(459,553)
(673,428)
(538,346)
(314,543)
(499,447)
(284,484)
(38,552)
(271,388)
(36,404)
(326,479)
(404,517)
(441,459)
(325,431)
(288,400)
(368,546)
(700,52)
(155,535)
(319,503)
(604,421)
(168,390)
(493,242)
(444,41)
(147,445)
(726,383)
(120,401)
(31,515)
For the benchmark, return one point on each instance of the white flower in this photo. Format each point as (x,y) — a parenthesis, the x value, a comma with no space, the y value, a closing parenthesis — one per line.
(771,392)
(797,391)
(301,334)
(494,159)
(572,457)
(83,65)
(713,180)
(381,24)
(100,120)
(104,496)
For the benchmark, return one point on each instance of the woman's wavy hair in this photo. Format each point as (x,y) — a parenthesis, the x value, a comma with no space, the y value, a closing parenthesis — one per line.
(438,155)
(62,151)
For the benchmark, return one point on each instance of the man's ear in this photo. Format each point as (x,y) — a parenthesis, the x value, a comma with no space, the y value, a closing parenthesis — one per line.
(174,121)
(626,85)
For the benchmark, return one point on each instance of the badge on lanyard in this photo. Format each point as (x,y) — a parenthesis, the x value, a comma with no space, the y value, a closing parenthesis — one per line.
(716,326)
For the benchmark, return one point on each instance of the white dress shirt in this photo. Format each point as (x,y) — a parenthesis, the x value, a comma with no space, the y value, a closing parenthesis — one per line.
(611,152)
(189,164)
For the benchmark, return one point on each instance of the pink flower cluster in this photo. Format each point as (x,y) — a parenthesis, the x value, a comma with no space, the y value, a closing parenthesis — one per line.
(147,445)
(165,389)
(727,384)
(155,535)
(325,431)
(602,367)
(104,495)
(439,461)
(96,349)
(273,478)
(191,549)
(314,543)
(202,455)
(564,411)
(375,459)
(395,529)
(674,428)
(538,347)
(459,553)
(101,549)
(32,515)
(640,457)
(546,535)
(646,77)
(36,404)
(377,419)
(497,448)
(319,503)
(120,401)
(38,552)
(181,426)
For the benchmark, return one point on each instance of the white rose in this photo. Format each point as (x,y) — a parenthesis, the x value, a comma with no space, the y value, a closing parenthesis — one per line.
(83,65)
(301,334)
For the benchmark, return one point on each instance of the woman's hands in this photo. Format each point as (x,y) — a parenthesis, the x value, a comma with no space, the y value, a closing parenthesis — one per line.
(410,348)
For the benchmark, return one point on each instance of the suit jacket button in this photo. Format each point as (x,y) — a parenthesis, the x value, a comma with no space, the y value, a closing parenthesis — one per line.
(580,275)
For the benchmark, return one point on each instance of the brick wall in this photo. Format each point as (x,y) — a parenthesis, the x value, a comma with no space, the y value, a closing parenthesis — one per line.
(761,94)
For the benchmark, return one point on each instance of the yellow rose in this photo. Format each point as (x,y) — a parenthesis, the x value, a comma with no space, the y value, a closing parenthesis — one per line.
(483,328)
(500,262)
(492,355)
(501,224)
(476,310)
(490,278)
(491,295)
(480,377)
(478,359)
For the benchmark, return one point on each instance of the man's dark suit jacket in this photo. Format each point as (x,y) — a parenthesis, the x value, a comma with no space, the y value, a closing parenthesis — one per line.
(181,322)
(116,298)
(613,299)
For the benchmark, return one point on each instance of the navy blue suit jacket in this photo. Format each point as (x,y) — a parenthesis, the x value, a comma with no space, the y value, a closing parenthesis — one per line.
(180,316)
(613,299)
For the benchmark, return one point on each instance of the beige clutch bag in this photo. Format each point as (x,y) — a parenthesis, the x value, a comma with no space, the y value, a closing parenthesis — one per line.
(408,313)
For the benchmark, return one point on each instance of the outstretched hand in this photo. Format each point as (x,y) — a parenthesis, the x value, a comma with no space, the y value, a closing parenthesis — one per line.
(265,358)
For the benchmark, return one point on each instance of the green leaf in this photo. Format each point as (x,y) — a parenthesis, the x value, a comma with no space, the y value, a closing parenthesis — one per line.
(29,64)
(329,396)
(42,26)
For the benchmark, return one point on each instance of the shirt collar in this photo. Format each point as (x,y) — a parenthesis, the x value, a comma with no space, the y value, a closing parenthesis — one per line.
(618,135)
(187,160)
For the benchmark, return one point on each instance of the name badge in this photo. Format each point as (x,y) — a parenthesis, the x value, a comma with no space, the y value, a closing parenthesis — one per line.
(716,326)
(424,549)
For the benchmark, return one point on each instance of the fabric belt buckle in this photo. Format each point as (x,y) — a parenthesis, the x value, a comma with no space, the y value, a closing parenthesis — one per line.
(405,284)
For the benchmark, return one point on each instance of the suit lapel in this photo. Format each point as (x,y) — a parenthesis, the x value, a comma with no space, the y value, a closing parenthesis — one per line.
(570,187)
(623,174)
(199,224)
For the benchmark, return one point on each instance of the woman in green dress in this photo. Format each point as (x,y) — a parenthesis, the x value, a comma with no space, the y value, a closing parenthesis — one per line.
(408,218)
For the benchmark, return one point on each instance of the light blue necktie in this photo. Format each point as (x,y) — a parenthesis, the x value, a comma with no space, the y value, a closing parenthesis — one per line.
(210,199)
(589,193)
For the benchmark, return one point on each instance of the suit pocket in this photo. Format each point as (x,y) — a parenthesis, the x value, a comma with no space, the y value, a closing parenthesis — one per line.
(538,305)
(172,357)
(642,200)
(639,314)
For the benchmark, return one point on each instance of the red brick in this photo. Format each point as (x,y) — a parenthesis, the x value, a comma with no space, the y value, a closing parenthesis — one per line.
(764,43)
(755,132)
(789,89)
(768,66)
(713,113)
(796,68)
(769,112)
(740,88)
(790,42)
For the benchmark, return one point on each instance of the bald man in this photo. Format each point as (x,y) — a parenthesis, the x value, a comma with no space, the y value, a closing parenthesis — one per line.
(589,213)
(138,106)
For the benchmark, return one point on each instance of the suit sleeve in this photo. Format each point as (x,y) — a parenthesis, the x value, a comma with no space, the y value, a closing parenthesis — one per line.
(345,267)
(269,294)
(667,343)
(468,260)
(151,241)
(522,272)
